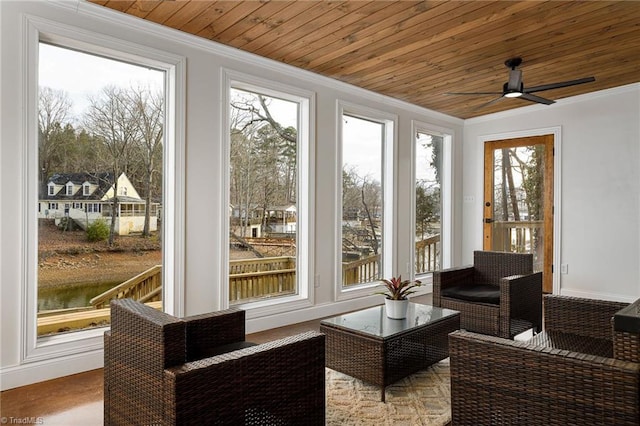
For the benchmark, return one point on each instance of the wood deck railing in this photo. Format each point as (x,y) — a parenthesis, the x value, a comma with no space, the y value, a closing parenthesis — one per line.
(515,237)
(259,265)
(367,269)
(144,287)
(520,237)
(261,278)
(77,319)
(249,279)
(361,271)
(427,255)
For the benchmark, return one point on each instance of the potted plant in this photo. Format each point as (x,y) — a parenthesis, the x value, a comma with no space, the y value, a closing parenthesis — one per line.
(397,290)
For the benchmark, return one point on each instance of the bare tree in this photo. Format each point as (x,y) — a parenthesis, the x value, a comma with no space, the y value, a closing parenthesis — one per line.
(54,107)
(148,107)
(263,157)
(243,177)
(260,115)
(112,118)
(428,191)
(369,198)
(361,197)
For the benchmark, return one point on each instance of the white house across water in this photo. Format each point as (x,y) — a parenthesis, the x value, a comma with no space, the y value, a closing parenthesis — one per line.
(87,197)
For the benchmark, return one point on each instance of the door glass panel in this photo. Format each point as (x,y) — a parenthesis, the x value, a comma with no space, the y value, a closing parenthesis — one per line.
(518,201)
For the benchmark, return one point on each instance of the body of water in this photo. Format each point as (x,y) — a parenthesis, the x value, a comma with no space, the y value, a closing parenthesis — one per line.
(71,296)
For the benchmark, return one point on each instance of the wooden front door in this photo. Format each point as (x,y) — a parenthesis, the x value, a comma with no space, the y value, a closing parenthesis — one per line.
(518,199)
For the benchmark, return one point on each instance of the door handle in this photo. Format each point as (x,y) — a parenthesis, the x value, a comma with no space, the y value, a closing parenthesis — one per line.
(488,220)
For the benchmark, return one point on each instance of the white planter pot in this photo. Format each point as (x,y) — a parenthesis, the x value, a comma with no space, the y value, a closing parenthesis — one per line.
(396,309)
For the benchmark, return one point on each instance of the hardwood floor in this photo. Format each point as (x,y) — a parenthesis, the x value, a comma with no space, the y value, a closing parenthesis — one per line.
(77,399)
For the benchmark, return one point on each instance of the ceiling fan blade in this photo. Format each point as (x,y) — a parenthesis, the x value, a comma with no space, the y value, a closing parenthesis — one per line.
(534,98)
(558,85)
(486,104)
(474,93)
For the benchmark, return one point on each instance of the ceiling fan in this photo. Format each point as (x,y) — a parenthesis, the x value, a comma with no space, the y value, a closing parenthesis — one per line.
(514,88)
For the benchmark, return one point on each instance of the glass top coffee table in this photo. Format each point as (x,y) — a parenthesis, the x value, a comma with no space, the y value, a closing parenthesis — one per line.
(369,346)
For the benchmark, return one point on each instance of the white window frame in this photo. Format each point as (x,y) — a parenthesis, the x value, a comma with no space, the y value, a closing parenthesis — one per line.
(389,196)
(34,348)
(69,188)
(86,189)
(446,194)
(52,189)
(305,186)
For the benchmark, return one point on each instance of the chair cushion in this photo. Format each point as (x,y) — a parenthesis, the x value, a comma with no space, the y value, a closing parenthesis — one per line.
(476,293)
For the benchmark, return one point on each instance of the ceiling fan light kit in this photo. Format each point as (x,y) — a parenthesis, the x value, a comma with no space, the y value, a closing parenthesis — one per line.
(514,87)
(512,94)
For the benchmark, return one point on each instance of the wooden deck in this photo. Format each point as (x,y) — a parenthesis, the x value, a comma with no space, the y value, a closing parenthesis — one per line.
(249,279)
(73,319)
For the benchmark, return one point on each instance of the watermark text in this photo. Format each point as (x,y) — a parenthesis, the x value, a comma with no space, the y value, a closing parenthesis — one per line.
(28,420)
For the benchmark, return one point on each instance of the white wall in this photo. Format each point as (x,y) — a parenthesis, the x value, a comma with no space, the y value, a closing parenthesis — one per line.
(205,209)
(599,184)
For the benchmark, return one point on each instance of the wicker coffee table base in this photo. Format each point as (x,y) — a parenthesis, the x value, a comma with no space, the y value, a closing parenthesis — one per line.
(383,361)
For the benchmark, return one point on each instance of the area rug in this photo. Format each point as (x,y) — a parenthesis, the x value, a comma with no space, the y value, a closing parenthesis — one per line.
(422,399)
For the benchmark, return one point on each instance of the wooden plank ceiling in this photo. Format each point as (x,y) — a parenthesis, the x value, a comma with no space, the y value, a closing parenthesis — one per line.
(418,51)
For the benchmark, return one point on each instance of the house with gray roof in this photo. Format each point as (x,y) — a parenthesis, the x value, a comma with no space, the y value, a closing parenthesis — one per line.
(87,197)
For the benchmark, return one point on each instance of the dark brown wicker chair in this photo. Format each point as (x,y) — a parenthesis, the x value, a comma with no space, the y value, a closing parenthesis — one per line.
(163,370)
(498,295)
(566,375)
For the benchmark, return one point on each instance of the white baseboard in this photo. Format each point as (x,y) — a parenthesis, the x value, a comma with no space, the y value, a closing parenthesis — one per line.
(40,371)
(598,295)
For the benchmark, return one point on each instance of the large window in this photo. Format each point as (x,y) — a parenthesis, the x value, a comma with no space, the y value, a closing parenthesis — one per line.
(366,198)
(269,198)
(101,123)
(432,214)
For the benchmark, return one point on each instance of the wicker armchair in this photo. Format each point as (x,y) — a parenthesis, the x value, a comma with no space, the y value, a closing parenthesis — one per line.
(578,371)
(498,295)
(163,370)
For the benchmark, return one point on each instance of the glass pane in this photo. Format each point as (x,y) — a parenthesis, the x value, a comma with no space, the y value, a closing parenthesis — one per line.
(100,151)
(428,183)
(362,144)
(518,203)
(374,321)
(263,205)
